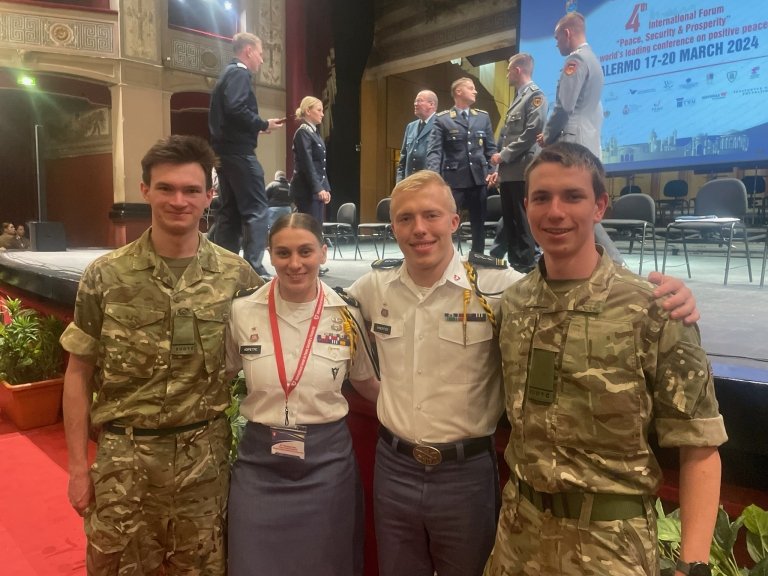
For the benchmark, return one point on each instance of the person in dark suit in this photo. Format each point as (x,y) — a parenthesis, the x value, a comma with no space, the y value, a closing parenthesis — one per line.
(279,197)
(234,123)
(413,154)
(517,147)
(460,148)
(310,188)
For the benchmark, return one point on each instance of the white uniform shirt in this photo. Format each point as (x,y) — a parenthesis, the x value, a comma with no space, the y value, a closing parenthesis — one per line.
(317,399)
(434,389)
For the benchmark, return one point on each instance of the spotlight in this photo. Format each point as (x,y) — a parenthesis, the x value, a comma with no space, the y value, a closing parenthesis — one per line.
(26,80)
(227,5)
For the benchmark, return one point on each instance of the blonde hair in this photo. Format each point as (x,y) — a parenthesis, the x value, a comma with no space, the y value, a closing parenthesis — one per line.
(419,181)
(306,103)
(461,82)
(242,40)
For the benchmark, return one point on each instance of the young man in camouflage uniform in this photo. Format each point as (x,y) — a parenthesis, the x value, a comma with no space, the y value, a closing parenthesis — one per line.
(592,363)
(147,368)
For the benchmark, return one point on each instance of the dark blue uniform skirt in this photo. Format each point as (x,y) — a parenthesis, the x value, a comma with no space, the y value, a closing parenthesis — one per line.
(290,517)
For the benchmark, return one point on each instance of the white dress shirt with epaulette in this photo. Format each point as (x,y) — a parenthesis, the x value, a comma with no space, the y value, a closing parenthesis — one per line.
(317,399)
(435,388)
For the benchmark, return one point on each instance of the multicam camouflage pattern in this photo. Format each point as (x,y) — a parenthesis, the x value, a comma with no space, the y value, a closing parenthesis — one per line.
(158,344)
(618,365)
(159,501)
(534,543)
(587,372)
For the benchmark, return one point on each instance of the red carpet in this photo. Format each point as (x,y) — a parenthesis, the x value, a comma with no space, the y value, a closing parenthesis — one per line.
(40,534)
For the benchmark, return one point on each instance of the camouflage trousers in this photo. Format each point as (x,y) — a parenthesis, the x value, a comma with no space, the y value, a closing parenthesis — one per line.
(534,543)
(160,504)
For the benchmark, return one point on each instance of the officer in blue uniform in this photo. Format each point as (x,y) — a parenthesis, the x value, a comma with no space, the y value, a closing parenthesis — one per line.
(413,154)
(460,149)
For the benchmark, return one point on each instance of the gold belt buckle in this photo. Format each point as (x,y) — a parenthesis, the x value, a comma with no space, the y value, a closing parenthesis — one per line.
(427,455)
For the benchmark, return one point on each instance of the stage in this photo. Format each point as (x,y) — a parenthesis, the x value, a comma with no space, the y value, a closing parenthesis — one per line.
(734,318)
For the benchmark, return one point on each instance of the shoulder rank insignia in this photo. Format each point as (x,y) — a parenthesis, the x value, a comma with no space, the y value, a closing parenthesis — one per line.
(246,292)
(476,111)
(443,113)
(536,101)
(386,263)
(486,261)
(350,300)
(306,127)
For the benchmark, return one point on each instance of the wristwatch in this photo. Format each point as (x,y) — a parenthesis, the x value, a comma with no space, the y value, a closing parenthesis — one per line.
(694,568)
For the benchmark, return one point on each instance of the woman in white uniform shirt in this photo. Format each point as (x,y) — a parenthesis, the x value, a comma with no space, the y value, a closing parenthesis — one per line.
(295,502)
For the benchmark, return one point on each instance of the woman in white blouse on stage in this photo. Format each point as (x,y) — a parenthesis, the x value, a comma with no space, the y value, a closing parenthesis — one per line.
(295,502)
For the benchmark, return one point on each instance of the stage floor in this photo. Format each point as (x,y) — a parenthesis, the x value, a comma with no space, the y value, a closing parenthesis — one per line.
(734,323)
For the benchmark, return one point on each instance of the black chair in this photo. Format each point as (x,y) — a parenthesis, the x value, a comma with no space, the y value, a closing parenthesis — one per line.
(756,185)
(675,197)
(630,189)
(636,214)
(493,214)
(343,229)
(720,209)
(379,230)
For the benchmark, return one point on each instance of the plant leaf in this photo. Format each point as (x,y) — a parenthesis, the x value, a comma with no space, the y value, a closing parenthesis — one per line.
(659,509)
(669,529)
(725,531)
(756,523)
(760,569)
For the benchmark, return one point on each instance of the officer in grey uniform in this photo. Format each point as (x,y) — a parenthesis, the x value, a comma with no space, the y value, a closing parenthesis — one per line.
(517,147)
(413,154)
(460,149)
(578,113)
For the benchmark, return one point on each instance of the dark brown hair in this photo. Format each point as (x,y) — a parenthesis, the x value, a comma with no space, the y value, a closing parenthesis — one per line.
(572,155)
(297,220)
(178,149)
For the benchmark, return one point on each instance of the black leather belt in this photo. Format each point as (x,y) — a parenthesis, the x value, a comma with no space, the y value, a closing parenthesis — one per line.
(115,429)
(433,455)
(605,507)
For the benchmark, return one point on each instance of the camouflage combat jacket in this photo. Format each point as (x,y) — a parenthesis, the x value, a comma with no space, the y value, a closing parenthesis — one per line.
(589,372)
(157,344)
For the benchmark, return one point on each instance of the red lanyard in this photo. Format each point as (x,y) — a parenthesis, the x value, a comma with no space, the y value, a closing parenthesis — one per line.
(306,349)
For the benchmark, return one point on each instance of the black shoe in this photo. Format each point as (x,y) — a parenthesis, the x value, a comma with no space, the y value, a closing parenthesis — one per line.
(323,271)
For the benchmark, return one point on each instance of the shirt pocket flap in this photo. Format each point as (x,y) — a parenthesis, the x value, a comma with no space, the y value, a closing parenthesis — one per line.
(331,352)
(476,331)
(383,328)
(255,350)
(133,316)
(214,313)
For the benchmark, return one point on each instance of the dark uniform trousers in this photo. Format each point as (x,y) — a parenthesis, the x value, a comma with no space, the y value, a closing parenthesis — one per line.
(521,246)
(474,201)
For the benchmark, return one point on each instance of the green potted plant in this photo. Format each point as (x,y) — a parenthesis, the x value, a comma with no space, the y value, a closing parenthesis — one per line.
(31,364)
(721,556)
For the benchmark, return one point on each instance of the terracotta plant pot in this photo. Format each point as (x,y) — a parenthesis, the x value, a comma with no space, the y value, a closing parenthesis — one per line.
(32,405)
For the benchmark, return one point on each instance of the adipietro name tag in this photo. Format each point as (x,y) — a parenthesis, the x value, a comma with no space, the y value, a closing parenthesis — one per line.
(250,349)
